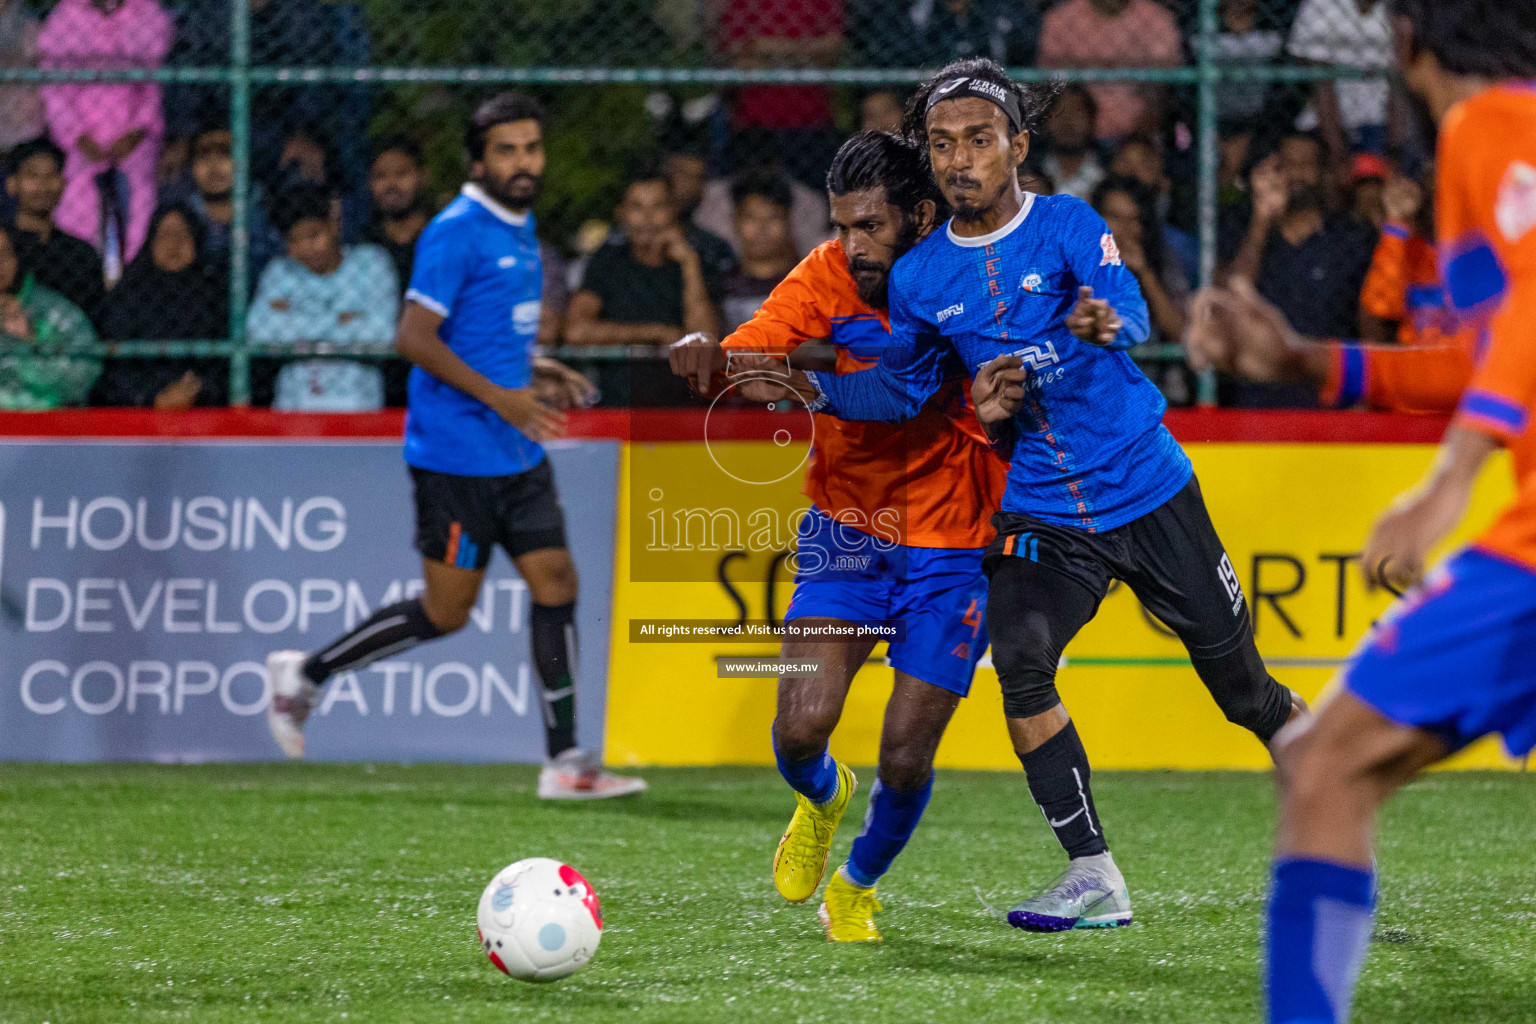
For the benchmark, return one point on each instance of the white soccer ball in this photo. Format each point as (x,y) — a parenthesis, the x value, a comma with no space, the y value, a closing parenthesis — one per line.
(539,920)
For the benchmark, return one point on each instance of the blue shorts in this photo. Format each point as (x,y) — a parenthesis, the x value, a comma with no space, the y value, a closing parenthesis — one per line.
(940,594)
(1457,656)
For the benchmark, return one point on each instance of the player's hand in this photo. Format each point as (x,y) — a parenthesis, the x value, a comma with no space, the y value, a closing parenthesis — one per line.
(1403,198)
(1237,332)
(521,408)
(765,378)
(558,385)
(1268,190)
(1093,320)
(998,389)
(1398,548)
(697,358)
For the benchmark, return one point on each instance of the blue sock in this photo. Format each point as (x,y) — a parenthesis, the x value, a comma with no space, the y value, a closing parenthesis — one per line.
(891,819)
(1319,928)
(814,778)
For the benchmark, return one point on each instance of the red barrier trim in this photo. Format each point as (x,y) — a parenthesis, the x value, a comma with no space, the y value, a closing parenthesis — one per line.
(1188,425)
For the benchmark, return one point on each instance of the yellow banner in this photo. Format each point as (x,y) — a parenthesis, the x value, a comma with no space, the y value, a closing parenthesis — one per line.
(704,532)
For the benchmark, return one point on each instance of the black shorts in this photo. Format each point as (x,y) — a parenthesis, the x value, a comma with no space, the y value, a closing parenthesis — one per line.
(1046,582)
(459,519)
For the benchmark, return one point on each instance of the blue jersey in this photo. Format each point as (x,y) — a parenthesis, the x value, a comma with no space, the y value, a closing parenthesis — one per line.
(477,266)
(1091,451)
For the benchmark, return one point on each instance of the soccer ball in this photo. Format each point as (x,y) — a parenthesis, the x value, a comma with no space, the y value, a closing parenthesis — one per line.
(539,920)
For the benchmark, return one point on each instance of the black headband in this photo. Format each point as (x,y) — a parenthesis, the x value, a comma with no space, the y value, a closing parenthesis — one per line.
(957,88)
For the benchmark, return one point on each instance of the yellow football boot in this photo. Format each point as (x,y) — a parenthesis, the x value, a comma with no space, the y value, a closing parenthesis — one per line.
(848,912)
(801,858)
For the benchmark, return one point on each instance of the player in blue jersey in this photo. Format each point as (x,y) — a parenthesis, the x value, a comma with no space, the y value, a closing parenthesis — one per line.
(1028,294)
(480,404)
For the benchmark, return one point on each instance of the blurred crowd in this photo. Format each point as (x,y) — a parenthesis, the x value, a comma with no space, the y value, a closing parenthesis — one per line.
(118,207)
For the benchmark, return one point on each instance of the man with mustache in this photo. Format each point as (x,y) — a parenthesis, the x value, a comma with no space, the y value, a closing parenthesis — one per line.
(910,500)
(1030,295)
(480,404)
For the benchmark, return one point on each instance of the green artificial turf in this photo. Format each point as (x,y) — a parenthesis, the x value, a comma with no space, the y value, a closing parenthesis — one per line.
(329,893)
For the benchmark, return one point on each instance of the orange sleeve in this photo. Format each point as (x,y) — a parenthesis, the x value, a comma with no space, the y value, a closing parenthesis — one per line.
(1486,206)
(1392,378)
(798,310)
(1385,292)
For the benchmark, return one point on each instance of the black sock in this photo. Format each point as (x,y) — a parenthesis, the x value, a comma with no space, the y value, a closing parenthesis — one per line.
(389,631)
(1058,772)
(554,655)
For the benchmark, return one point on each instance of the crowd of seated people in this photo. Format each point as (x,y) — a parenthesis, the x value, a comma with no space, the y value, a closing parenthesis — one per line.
(119,198)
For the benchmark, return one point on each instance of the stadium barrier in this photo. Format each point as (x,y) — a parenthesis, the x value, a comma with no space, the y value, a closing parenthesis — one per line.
(133,637)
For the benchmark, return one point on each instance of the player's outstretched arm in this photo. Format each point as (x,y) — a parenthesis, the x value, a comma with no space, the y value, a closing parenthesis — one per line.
(416,339)
(1237,332)
(697,358)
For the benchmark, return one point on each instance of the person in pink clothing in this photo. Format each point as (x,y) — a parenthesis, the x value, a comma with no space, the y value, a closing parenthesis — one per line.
(109,125)
(1115,34)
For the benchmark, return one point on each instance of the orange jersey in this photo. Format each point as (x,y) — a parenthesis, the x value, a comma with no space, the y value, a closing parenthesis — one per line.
(933,479)
(1486,207)
(1403,284)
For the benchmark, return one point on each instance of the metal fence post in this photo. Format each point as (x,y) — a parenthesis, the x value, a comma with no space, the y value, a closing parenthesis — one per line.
(240,234)
(1206,130)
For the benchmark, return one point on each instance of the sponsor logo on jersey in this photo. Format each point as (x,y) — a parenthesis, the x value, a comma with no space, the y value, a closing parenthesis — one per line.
(506,262)
(949,311)
(1032,283)
(1515,211)
(1038,357)
(1110,249)
(525,317)
(1230,582)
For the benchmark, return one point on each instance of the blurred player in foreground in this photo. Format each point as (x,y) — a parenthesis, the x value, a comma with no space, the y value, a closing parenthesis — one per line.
(1453,661)
(480,403)
(910,501)
(1030,294)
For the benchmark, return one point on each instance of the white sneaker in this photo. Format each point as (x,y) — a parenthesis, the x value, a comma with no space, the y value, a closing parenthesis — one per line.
(576,775)
(293,695)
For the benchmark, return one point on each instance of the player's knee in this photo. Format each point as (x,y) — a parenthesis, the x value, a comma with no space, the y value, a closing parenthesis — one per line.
(447,616)
(905,765)
(1245,691)
(554,584)
(801,736)
(1027,694)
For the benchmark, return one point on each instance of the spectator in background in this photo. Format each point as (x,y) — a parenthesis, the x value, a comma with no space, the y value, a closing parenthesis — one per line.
(1368,174)
(687,176)
(555,295)
(210,197)
(757,151)
(172,291)
(767,250)
(1141,158)
(1350,114)
(304,158)
(1129,207)
(948,30)
(106,128)
(881,111)
(397,182)
(1070,156)
(324,294)
(57,259)
(1307,263)
(647,287)
(1245,39)
(787,34)
(31,312)
(1402,299)
(1115,34)
(21,107)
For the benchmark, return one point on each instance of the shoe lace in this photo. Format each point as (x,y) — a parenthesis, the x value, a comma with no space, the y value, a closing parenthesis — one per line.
(805,846)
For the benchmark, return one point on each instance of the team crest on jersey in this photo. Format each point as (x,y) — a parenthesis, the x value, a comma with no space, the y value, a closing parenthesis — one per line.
(1032,283)
(1515,211)
(1110,249)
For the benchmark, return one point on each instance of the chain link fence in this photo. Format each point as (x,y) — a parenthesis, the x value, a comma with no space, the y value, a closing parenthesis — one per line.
(215,204)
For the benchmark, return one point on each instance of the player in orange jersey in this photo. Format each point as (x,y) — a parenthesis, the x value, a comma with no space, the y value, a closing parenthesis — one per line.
(896,532)
(1453,661)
